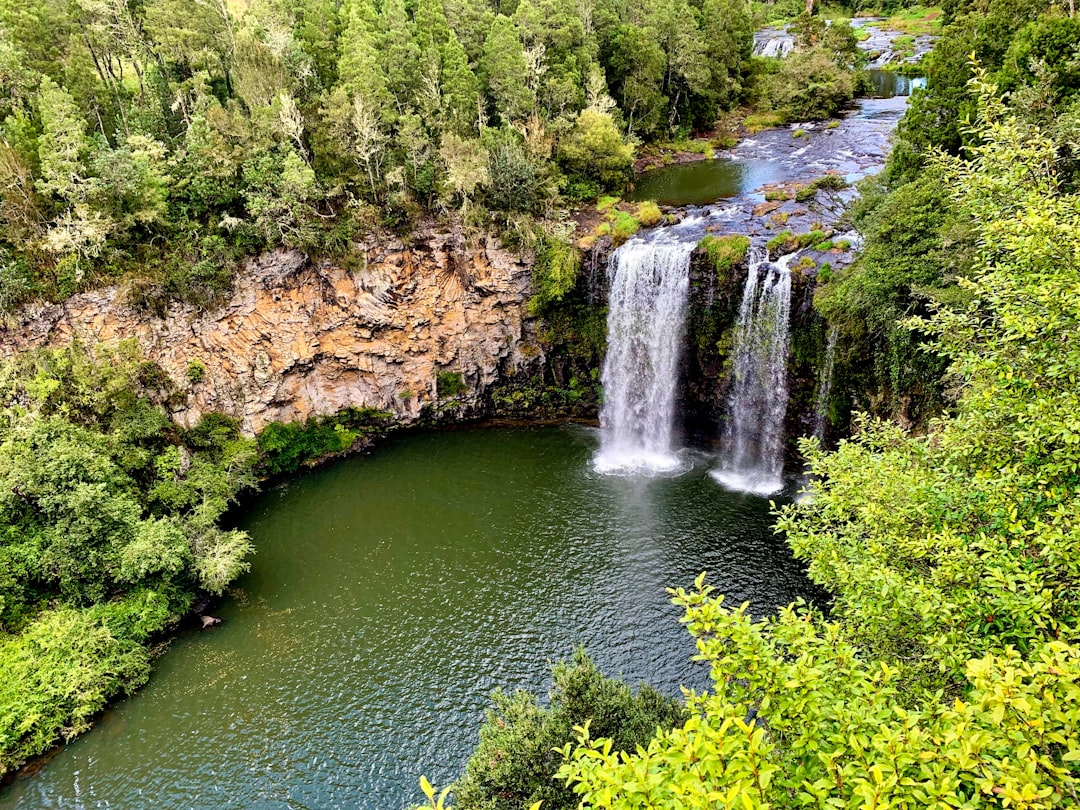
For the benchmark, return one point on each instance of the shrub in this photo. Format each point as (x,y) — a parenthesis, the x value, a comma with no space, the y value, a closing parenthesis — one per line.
(450,384)
(514,180)
(17,286)
(827,182)
(62,669)
(648,214)
(765,119)
(725,252)
(285,446)
(624,226)
(783,242)
(196,371)
(516,760)
(555,272)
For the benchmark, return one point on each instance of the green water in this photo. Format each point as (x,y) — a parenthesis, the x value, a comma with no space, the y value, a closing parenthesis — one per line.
(704,181)
(389,596)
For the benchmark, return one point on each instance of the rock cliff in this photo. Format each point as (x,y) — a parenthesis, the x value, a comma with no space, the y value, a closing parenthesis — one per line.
(301,337)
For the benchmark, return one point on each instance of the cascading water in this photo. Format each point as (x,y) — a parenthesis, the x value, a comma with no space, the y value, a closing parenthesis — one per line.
(824,388)
(650,283)
(753,440)
(776,47)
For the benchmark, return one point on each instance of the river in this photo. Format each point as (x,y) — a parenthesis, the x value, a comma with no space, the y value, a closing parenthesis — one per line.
(390,595)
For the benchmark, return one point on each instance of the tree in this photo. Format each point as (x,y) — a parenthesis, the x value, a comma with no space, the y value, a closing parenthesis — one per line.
(595,150)
(506,71)
(400,54)
(360,72)
(728,34)
(460,90)
(63,146)
(514,765)
(635,68)
(280,193)
(470,20)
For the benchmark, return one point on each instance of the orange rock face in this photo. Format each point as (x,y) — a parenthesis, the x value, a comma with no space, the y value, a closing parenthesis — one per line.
(299,338)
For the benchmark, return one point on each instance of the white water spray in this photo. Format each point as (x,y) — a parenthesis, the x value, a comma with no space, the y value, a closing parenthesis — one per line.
(753,440)
(650,284)
(777,47)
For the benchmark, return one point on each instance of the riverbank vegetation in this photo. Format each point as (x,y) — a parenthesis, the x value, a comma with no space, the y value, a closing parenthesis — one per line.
(917,246)
(108,528)
(515,763)
(947,671)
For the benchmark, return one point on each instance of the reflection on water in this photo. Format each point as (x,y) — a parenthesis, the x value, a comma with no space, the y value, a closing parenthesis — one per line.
(890,84)
(852,146)
(390,595)
(705,181)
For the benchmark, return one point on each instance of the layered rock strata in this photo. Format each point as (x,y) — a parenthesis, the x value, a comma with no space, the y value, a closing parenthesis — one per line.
(299,338)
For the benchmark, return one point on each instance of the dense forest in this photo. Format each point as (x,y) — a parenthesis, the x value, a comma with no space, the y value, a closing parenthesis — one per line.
(165,140)
(210,130)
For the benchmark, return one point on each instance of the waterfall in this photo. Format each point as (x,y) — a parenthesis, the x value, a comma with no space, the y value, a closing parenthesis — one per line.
(776,47)
(824,388)
(649,282)
(753,440)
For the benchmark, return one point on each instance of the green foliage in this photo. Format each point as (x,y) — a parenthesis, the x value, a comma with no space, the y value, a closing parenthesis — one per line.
(948,673)
(787,242)
(506,72)
(515,763)
(799,718)
(108,524)
(916,248)
(1046,46)
(284,447)
(623,226)
(827,182)
(196,371)
(450,384)
(555,272)
(986,33)
(60,671)
(648,214)
(725,252)
(595,151)
(133,133)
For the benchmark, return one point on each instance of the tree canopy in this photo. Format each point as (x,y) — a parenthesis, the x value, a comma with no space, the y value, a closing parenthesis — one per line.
(212,132)
(108,527)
